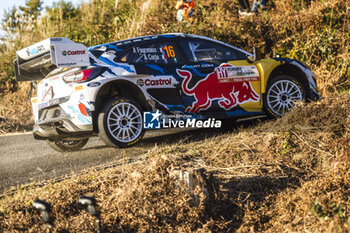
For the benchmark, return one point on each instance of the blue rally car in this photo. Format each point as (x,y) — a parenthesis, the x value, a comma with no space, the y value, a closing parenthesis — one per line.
(105,90)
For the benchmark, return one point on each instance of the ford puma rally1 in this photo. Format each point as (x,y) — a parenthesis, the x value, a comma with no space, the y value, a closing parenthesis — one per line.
(104,90)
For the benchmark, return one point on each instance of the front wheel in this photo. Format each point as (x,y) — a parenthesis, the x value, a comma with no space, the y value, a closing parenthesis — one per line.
(63,145)
(120,123)
(281,94)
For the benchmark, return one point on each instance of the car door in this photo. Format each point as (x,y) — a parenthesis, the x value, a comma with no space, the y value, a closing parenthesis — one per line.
(156,63)
(218,80)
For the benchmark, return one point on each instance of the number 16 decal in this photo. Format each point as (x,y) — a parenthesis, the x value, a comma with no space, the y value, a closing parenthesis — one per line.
(170,51)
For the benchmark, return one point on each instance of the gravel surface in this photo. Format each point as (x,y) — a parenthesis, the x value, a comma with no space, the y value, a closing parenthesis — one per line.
(24,159)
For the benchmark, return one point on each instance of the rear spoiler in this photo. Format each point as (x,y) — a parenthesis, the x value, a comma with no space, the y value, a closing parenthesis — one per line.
(36,61)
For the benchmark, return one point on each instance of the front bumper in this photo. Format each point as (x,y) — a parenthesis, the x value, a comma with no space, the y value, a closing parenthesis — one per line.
(314,95)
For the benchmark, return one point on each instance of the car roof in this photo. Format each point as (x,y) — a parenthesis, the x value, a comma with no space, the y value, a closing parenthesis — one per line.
(168,35)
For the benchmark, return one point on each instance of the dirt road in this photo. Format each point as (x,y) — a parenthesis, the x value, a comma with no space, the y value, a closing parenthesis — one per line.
(23,159)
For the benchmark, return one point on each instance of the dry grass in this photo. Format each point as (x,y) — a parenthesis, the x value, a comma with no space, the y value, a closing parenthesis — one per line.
(286,175)
(16,111)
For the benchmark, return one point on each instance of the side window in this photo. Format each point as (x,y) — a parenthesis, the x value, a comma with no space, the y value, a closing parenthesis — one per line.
(162,53)
(189,53)
(206,51)
(125,57)
(234,54)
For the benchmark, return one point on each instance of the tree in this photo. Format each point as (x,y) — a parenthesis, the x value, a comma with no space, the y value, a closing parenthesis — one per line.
(32,8)
(62,9)
(11,20)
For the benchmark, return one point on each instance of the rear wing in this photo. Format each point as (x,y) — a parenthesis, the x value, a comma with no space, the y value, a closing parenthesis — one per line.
(36,61)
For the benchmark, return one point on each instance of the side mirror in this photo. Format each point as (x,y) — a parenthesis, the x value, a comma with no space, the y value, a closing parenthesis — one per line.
(256,55)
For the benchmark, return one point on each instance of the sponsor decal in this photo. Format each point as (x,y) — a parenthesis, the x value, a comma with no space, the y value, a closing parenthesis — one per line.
(34,100)
(157,82)
(205,65)
(43,105)
(36,50)
(152,120)
(153,82)
(110,52)
(75,52)
(53,102)
(56,39)
(229,93)
(79,88)
(237,74)
(67,64)
(94,84)
(140,82)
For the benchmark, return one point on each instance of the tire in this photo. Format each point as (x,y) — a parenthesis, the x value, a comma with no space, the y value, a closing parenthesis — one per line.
(281,94)
(121,123)
(63,145)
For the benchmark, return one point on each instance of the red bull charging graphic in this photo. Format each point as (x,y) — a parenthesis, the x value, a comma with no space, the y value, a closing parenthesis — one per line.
(230,85)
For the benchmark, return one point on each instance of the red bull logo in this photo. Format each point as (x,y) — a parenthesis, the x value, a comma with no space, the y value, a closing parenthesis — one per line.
(230,93)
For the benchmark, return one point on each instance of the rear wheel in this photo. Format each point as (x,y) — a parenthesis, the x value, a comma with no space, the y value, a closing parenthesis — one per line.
(281,94)
(63,145)
(121,123)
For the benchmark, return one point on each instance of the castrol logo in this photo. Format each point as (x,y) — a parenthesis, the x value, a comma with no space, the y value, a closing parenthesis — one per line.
(75,52)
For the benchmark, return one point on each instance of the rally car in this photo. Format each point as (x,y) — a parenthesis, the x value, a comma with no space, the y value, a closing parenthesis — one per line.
(106,89)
